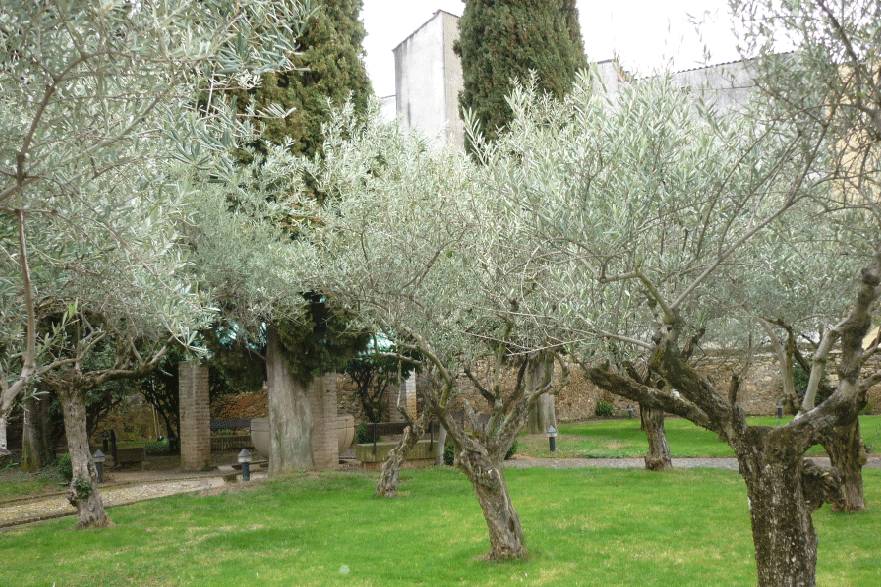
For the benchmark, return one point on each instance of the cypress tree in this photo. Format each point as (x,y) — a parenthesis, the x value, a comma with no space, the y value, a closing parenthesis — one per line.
(333,70)
(503,40)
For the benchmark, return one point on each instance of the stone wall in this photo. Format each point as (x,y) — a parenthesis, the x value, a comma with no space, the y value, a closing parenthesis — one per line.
(577,401)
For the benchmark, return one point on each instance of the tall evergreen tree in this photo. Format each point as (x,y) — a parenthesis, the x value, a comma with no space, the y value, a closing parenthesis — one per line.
(503,40)
(332,69)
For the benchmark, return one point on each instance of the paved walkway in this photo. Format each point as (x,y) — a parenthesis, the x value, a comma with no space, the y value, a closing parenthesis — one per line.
(522,462)
(54,506)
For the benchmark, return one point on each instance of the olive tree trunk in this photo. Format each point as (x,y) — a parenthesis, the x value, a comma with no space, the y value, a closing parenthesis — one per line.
(658,457)
(542,414)
(505,533)
(440,445)
(83,492)
(290,416)
(783,490)
(390,475)
(847,455)
(3,442)
(35,452)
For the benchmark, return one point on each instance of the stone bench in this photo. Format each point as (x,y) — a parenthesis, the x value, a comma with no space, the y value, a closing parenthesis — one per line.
(372,455)
(230,473)
(129,456)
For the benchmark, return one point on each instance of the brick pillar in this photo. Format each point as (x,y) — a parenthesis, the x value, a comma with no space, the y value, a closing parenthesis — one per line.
(195,420)
(323,403)
(407,393)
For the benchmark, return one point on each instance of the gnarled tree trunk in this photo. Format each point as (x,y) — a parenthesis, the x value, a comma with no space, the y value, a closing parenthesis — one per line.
(389,476)
(783,534)
(83,492)
(505,533)
(290,416)
(848,455)
(658,456)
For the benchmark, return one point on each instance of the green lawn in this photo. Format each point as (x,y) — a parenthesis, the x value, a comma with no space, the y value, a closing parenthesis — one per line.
(623,438)
(14,483)
(583,527)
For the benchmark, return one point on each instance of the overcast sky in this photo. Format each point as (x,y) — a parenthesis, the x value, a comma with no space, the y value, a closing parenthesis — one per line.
(646,35)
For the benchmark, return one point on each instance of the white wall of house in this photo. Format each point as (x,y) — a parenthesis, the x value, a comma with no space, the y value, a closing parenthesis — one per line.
(428,77)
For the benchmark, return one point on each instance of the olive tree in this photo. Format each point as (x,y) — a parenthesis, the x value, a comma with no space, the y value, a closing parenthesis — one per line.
(663,212)
(831,79)
(410,242)
(100,117)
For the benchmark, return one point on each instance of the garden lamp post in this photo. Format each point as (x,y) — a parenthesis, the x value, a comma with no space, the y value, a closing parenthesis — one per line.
(245,461)
(552,438)
(779,409)
(99,459)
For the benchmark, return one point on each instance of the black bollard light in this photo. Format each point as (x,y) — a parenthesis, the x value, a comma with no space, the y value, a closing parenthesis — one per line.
(779,409)
(99,459)
(552,438)
(245,461)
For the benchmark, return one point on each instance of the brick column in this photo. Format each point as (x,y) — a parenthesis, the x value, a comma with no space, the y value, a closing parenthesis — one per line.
(323,404)
(407,392)
(195,420)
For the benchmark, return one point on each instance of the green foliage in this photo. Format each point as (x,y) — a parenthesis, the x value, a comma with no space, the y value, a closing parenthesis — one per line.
(64,466)
(505,40)
(157,447)
(333,72)
(322,342)
(82,488)
(604,409)
(375,373)
(449,453)
(362,434)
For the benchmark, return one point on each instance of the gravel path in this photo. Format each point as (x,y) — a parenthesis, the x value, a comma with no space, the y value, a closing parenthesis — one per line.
(637,463)
(56,506)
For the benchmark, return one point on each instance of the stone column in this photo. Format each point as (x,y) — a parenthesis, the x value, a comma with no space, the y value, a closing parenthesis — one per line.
(195,420)
(407,395)
(323,404)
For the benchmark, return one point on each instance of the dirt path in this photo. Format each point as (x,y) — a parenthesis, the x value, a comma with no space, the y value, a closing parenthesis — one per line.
(523,462)
(23,512)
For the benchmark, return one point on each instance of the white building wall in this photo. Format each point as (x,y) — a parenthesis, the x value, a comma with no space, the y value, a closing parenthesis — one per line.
(428,78)
(726,87)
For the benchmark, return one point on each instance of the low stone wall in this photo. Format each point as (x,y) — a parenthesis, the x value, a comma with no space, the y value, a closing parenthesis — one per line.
(759,390)
(577,401)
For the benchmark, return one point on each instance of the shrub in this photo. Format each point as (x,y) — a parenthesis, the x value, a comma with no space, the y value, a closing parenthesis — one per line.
(159,447)
(362,434)
(604,409)
(64,466)
(449,453)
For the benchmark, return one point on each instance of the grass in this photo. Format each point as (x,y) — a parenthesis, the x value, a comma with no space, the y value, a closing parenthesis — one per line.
(16,483)
(583,527)
(623,438)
